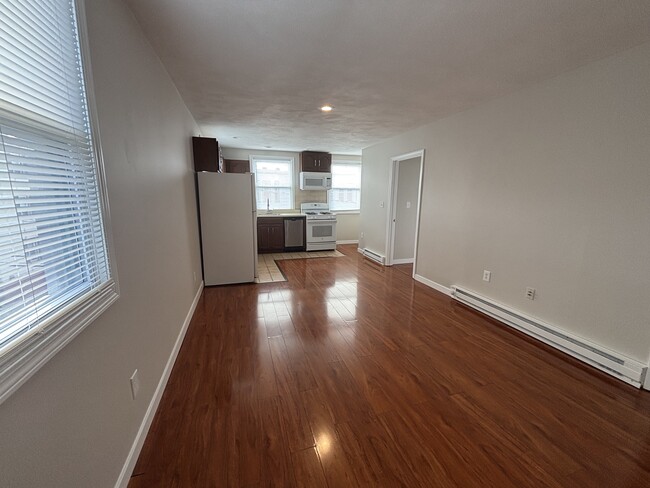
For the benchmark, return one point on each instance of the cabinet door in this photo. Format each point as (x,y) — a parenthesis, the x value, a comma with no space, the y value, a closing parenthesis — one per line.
(318,162)
(237,165)
(270,234)
(206,154)
(325,163)
(276,238)
(263,238)
(308,161)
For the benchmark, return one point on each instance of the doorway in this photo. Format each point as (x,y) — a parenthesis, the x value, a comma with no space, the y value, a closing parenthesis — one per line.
(405,190)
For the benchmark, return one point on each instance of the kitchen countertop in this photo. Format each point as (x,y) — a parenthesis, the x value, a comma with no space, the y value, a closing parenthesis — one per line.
(262,214)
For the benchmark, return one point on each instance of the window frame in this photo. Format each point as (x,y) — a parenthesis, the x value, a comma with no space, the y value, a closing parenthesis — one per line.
(24,358)
(345,162)
(292,173)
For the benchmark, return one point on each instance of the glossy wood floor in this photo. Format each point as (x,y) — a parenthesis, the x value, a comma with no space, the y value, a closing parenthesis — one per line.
(350,374)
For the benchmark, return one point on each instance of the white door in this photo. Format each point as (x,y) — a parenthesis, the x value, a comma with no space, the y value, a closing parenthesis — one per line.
(404,210)
(408,179)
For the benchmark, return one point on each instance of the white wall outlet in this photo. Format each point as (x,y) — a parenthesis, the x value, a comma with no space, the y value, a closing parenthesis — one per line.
(408,204)
(135,384)
(381,204)
(362,235)
(487,275)
(530,293)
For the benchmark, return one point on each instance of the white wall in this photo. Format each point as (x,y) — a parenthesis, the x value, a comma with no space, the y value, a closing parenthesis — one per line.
(73,423)
(549,188)
(408,179)
(347,227)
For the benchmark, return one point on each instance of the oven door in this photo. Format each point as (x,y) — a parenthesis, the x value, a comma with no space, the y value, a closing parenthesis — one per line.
(321,230)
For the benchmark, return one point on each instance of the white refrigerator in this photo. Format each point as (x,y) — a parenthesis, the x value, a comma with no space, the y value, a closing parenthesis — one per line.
(228,214)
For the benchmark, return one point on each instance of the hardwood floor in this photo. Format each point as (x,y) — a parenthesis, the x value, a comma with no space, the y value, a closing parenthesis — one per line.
(351,374)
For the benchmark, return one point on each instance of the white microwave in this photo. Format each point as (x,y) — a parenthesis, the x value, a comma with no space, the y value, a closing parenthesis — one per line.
(315,181)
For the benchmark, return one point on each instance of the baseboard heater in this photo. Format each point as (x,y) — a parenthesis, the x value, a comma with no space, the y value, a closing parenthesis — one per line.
(372,255)
(610,362)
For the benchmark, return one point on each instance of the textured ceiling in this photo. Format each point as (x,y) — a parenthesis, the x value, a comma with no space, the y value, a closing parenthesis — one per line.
(254,72)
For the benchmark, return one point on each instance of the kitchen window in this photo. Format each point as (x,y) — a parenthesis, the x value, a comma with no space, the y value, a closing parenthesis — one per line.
(55,273)
(346,186)
(273,182)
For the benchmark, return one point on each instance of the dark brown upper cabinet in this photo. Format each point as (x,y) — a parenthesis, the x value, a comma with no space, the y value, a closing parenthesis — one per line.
(318,162)
(237,165)
(207,154)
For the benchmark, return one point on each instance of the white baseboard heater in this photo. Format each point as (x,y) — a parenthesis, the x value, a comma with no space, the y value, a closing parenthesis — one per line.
(606,360)
(376,257)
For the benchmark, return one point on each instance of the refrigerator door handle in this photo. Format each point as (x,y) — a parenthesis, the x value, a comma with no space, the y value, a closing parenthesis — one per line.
(253,193)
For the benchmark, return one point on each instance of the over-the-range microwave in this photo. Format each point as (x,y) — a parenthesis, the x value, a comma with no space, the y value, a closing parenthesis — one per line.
(315,181)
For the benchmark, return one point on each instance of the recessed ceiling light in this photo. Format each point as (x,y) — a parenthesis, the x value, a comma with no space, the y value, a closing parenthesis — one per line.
(326,108)
(234,137)
(268,147)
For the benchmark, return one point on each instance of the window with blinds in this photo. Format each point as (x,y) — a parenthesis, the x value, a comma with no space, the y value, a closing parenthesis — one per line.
(273,182)
(346,186)
(54,263)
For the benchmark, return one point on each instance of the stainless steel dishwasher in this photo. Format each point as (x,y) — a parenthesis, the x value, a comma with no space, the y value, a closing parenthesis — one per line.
(294,233)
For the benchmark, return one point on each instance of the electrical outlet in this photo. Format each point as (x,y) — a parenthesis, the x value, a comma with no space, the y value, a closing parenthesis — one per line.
(487,275)
(135,384)
(530,293)
(362,235)
(408,204)
(381,204)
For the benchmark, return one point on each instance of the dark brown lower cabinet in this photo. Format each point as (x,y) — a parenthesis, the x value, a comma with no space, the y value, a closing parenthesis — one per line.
(270,234)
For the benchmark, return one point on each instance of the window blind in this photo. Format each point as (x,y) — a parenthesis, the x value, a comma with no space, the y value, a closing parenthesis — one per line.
(52,243)
(346,186)
(273,182)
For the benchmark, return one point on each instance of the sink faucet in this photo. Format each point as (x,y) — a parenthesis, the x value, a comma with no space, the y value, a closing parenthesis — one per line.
(268,206)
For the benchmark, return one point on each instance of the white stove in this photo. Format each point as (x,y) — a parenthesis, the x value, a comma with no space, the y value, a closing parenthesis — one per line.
(321,226)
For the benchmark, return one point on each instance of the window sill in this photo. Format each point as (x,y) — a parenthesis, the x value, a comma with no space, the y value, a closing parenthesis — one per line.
(347,212)
(18,364)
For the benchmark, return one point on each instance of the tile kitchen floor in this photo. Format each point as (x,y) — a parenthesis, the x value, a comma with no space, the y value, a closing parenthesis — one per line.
(267,268)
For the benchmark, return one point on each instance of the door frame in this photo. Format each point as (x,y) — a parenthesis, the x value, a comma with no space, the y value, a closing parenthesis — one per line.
(393,180)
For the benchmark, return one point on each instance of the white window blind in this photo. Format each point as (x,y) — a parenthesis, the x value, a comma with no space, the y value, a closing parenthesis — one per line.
(346,186)
(53,249)
(273,182)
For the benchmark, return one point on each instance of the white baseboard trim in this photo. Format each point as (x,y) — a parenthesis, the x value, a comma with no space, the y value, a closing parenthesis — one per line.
(646,384)
(608,360)
(140,437)
(433,284)
(403,261)
(348,242)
